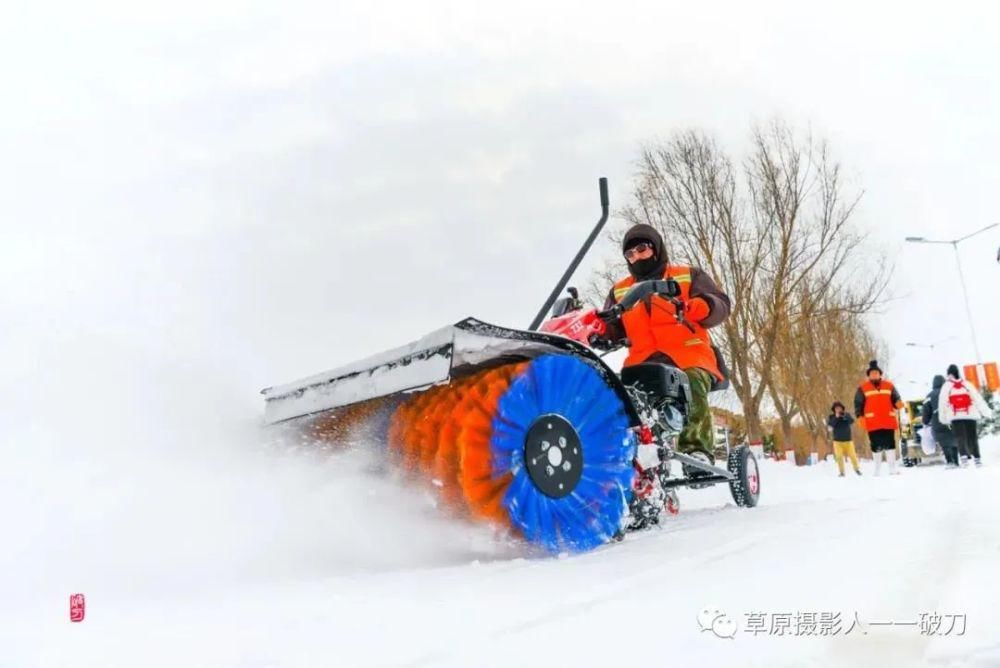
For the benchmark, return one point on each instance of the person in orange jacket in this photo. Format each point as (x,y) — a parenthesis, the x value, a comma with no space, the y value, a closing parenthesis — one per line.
(655,334)
(875,406)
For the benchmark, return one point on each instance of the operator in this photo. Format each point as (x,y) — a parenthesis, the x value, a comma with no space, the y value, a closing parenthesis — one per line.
(656,334)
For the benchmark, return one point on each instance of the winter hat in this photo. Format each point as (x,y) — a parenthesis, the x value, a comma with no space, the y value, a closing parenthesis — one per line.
(873,366)
(953,371)
(835,404)
(649,268)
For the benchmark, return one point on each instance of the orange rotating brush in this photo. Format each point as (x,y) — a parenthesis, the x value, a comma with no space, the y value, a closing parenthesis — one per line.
(443,434)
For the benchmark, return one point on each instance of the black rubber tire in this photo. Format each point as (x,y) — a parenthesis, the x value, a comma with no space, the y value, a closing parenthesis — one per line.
(745,487)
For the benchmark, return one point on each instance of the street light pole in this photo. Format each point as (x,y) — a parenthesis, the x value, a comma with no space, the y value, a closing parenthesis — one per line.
(968,309)
(961,277)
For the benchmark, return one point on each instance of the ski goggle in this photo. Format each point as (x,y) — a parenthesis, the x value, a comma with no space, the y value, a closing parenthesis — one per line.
(634,251)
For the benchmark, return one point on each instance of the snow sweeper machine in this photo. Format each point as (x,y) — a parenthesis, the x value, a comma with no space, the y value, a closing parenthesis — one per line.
(528,429)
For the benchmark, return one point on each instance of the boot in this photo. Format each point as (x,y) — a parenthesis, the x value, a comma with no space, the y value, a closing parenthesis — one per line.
(890,457)
(858,471)
(979,462)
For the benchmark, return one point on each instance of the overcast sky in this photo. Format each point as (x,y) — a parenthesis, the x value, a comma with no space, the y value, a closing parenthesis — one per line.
(266,190)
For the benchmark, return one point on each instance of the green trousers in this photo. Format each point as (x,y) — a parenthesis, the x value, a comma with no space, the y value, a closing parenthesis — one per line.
(699,433)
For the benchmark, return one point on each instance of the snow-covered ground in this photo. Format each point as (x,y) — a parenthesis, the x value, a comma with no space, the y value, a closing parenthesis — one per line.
(260,556)
(202,198)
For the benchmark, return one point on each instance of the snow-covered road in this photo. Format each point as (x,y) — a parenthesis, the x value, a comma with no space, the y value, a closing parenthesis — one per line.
(310,561)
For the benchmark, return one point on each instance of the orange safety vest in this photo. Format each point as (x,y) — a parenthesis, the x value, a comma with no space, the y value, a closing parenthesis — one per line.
(879,411)
(655,328)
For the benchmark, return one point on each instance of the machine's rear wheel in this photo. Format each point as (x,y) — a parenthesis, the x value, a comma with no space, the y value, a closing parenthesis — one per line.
(745,487)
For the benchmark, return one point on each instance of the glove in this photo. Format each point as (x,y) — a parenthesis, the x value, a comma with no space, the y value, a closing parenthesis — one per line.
(900,404)
(697,309)
(601,343)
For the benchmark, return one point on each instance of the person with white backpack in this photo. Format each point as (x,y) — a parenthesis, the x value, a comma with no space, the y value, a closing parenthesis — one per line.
(962,407)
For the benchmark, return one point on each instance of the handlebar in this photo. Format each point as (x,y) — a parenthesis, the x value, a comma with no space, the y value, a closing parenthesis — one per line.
(612,313)
(669,289)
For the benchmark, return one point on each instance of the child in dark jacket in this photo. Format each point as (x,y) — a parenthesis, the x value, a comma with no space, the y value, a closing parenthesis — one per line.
(840,422)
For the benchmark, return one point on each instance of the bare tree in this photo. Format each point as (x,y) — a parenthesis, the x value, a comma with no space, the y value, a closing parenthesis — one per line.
(822,358)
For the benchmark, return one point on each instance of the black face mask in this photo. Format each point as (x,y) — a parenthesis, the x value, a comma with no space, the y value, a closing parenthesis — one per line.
(647,268)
